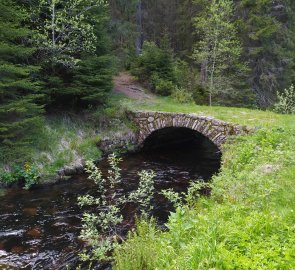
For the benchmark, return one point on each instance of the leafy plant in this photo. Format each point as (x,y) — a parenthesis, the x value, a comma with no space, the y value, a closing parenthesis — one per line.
(219,50)
(156,66)
(28,174)
(145,192)
(182,95)
(286,101)
(99,227)
(186,198)
(161,86)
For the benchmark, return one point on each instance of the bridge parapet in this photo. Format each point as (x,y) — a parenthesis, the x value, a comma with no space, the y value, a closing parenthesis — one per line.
(216,130)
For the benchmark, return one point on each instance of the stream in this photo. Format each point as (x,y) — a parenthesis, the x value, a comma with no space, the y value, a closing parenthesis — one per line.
(39,228)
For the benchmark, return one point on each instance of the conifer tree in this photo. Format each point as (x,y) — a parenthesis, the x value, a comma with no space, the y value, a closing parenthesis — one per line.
(266,29)
(20,112)
(71,37)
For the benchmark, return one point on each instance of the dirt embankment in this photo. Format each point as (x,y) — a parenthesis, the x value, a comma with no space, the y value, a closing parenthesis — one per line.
(129,86)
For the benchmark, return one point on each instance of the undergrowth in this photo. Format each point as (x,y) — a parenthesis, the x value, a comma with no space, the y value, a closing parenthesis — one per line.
(65,141)
(247,222)
(68,139)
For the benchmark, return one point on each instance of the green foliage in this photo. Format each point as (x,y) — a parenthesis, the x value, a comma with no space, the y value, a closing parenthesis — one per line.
(218,51)
(131,255)
(266,30)
(181,95)
(145,192)
(247,223)
(99,226)
(74,50)
(286,101)
(20,110)
(92,81)
(123,30)
(88,148)
(161,86)
(165,75)
(155,65)
(188,198)
(27,174)
(63,30)
(64,141)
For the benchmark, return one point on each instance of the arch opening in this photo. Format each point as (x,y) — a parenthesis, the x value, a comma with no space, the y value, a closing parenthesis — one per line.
(184,146)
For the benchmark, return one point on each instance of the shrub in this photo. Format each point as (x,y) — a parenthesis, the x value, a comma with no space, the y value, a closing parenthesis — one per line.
(99,224)
(153,60)
(182,95)
(145,192)
(27,174)
(161,86)
(156,66)
(286,101)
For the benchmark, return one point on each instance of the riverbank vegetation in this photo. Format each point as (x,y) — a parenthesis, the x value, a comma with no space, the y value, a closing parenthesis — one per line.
(100,225)
(57,63)
(42,83)
(59,57)
(247,222)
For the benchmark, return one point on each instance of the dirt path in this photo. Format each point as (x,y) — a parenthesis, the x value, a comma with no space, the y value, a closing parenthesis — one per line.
(127,85)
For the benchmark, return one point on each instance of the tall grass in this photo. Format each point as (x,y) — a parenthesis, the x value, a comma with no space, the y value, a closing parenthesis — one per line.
(65,141)
(247,223)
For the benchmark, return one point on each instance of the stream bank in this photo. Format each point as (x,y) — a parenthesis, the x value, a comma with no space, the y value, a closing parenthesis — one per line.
(40,227)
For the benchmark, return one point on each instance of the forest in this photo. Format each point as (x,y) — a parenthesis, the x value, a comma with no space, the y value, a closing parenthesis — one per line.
(61,55)
(58,61)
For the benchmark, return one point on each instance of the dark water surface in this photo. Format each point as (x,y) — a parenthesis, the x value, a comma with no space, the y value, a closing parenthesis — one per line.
(39,228)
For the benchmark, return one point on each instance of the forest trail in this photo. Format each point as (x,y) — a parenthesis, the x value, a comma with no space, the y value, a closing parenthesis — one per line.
(126,84)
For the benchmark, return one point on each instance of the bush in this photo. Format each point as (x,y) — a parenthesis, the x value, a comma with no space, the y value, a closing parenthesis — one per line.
(26,175)
(161,86)
(153,60)
(100,223)
(182,95)
(286,101)
(156,66)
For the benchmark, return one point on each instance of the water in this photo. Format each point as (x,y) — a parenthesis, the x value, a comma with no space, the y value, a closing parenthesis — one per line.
(39,228)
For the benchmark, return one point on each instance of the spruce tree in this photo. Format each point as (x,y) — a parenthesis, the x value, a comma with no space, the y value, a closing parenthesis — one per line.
(266,29)
(93,77)
(20,113)
(72,38)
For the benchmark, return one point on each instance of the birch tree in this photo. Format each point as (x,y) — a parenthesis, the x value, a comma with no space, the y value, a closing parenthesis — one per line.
(63,29)
(218,52)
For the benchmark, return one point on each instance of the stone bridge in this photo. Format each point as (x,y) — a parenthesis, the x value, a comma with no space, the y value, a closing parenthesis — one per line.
(215,130)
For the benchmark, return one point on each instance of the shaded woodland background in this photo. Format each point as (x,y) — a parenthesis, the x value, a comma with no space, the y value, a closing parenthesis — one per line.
(59,55)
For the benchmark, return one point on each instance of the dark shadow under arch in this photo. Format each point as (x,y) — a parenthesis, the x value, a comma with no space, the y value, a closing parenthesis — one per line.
(184,145)
(178,136)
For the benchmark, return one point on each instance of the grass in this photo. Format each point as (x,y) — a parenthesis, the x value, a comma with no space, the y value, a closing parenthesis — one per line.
(243,116)
(68,140)
(247,222)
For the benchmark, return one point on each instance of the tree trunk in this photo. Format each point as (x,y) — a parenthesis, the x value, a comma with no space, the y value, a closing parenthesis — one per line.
(210,99)
(139,38)
(53,24)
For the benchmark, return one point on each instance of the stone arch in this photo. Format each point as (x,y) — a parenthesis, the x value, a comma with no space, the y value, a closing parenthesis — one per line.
(179,138)
(215,130)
